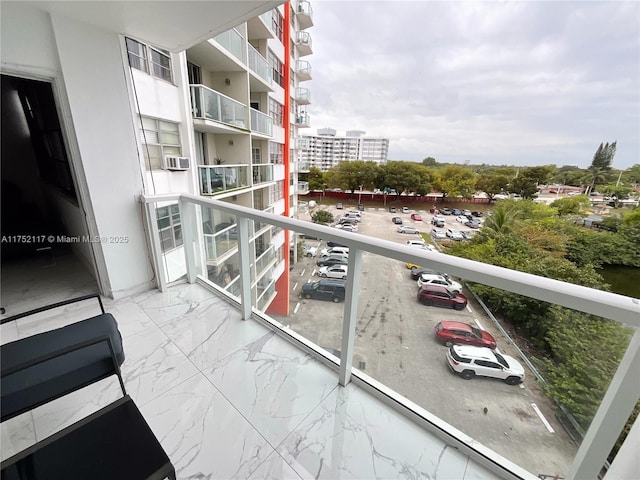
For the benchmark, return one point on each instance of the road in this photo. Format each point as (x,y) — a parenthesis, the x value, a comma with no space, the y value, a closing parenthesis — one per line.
(395,345)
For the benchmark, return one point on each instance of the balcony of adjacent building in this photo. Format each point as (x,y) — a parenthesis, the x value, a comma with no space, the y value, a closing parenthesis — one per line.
(231,392)
(261,123)
(303,42)
(303,70)
(303,187)
(259,28)
(302,143)
(225,52)
(304,13)
(260,73)
(302,96)
(223,178)
(263,173)
(214,112)
(303,120)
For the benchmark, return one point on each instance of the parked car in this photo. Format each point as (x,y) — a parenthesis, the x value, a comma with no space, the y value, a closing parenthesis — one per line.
(334,271)
(349,227)
(454,234)
(450,332)
(417,242)
(335,251)
(405,209)
(428,279)
(456,211)
(438,221)
(397,220)
(331,243)
(472,224)
(325,289)
(468,235)
(470,361)
(339,206)
(445,211)
(466,212)
(309,251)
(349,219)
(462,219)
(438,234)
(392,209)
(416,217)
(332,260)
(476,213)
(407,229)
(361,207)
(417,271)
(439,296)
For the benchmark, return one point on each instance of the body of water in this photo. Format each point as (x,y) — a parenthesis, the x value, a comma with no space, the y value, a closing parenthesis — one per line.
(623,280)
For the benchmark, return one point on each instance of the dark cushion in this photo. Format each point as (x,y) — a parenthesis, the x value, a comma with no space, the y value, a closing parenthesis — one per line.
(26,389)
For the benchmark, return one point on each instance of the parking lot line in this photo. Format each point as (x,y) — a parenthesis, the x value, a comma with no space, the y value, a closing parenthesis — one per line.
(295,310)
(469,308)
(302,273)
(295,286)
(479,324)
(544,420)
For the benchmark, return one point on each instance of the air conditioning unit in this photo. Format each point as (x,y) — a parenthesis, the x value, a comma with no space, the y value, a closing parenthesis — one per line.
(176,163)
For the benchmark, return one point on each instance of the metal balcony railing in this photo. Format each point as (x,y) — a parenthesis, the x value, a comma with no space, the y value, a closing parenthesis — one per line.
(211,105)
(611,416)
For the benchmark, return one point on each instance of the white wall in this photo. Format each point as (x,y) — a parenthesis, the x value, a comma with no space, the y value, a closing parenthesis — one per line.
(93,72)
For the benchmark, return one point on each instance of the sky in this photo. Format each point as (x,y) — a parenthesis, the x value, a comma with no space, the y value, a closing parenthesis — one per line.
(502,83)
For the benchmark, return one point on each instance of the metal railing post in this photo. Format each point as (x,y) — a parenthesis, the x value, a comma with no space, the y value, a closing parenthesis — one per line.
(245,266)
(188,220)
(350,316)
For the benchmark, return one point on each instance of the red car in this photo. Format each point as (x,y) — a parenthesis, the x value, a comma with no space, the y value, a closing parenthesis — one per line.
(439,296)
(416,217)
(461,333)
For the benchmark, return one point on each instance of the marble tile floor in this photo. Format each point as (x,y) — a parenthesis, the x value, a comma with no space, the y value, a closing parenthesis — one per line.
(229,399)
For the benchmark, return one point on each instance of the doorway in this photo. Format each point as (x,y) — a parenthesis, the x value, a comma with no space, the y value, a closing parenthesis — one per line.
(46,256)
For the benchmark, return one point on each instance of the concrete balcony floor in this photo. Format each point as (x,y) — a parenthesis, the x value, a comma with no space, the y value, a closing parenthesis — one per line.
(229,398)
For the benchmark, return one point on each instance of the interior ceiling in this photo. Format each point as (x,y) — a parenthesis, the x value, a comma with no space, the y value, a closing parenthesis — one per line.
(171,25)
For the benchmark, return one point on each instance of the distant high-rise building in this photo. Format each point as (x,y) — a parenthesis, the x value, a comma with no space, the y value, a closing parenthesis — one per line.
(325,149)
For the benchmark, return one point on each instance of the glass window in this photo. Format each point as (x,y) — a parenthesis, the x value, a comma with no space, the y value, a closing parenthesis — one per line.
(148,59)
(159,138)
(170,227)
(137,53)
(277,68)
(275,152)
(276,111)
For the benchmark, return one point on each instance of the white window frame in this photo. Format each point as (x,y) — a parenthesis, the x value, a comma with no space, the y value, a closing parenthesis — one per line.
(156,137)
(146,61)
(174,228)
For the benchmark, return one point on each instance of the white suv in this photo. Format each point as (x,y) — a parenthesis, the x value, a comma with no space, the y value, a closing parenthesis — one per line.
(428,279)
(470,361)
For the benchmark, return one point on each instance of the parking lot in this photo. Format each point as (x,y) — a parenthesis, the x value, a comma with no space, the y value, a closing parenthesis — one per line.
(395,345)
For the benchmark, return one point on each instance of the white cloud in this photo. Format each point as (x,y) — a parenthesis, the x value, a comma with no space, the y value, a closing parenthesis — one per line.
(510,82)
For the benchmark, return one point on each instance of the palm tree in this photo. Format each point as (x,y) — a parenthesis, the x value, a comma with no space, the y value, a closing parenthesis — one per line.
(502,219)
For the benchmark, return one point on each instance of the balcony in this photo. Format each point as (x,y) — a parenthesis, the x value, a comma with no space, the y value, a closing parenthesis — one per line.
(214,109)
(303,143)
(303,70)
(262,79)
(259,28)
(304,12)
(569,296)
(303,120)
(229,398)
(261,122)
(303,188)
(303,96)
(220,179)
(233,42)
(262,173)
(303,41)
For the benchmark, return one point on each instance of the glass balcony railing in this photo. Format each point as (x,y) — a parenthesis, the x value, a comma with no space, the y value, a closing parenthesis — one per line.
(211,105)
(233,42)
(302,143)
(266,296)
(303,69)
(267,18)
(303,96)
(259,65)
(304,10)
(303,119)
(384,337)
(222,178)
(303,40)
(262,173)
(261,122)
(303,188)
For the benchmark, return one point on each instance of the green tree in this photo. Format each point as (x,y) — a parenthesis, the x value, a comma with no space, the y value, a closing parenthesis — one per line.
(601,163)
(350,175)
(617,193)
(631,176)
(323,217)
(429,162)
(571,205)
(454,180)
(528,179)
(315,177)
(492,184)
(405,176)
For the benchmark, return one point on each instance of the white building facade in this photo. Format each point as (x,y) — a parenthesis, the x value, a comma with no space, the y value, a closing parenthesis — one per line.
(326,149)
